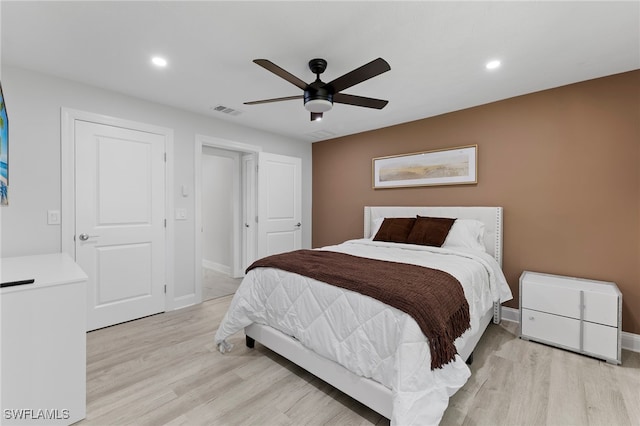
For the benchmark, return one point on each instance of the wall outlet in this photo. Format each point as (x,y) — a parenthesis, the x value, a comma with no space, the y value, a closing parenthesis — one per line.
(53,217)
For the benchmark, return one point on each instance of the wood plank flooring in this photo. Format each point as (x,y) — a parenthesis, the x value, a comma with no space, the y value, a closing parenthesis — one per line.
(165,370)
(216,284)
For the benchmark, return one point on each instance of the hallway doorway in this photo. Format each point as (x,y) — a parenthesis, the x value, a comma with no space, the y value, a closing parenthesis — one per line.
(220,194)
(256,207)
(225,199)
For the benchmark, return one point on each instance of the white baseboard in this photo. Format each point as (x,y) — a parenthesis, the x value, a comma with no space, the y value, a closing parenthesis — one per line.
(184,301)
(630,341)
(209,264)
(510,314)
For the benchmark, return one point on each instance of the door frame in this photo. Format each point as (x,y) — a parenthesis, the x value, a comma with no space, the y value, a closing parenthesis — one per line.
(68,116)
(249,184)
(228,145)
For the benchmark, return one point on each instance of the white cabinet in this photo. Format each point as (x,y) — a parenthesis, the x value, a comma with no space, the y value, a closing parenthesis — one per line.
(43,341)
(572,313)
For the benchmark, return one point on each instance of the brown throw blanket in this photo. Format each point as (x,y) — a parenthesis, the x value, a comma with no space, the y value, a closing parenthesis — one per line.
(432,297)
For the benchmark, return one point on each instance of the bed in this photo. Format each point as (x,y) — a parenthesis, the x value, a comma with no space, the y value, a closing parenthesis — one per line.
(373,352)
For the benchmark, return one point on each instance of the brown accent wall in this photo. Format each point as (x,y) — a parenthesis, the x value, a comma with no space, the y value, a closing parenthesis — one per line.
(564,163)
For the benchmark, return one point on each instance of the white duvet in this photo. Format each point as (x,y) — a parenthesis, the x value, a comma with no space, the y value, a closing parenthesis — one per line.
(368,337)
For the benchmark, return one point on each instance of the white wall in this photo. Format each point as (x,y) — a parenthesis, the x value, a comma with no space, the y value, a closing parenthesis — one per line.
(34,101)
(217,208)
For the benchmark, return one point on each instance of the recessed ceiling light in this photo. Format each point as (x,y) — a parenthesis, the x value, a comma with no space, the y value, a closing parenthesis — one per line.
(159,62)
(492,65)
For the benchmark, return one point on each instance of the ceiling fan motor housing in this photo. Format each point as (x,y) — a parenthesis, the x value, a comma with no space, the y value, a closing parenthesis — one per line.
(317,98)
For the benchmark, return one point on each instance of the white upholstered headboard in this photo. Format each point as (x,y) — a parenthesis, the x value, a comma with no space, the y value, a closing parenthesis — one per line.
(490,216)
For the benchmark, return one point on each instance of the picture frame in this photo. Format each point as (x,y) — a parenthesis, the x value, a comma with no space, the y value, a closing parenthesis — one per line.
(4,151)
(447,166)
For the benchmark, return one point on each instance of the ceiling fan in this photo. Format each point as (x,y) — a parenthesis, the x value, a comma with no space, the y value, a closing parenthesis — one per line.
(319,96)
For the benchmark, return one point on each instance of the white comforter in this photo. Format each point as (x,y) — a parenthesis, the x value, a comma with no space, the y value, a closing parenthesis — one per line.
(366,336)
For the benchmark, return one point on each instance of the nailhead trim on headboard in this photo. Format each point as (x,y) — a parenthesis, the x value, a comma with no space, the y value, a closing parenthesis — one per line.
(498,239)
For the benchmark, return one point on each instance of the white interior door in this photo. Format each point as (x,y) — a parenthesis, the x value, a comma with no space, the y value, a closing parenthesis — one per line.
(279,204)
(120,223)
(250,214)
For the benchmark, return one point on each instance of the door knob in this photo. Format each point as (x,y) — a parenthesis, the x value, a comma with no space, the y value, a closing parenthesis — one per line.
(298,224)
(85,237)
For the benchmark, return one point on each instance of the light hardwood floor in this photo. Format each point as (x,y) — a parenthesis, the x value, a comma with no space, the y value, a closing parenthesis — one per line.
(165,370)
(216,284)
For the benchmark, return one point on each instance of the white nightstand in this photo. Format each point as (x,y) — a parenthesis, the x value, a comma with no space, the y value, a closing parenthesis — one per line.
(577,314)
(43,353)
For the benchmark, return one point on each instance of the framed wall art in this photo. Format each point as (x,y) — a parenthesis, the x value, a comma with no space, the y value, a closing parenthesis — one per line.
(450,166)
(4,152)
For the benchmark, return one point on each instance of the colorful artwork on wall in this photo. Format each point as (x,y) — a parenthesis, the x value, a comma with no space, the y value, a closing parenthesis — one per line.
(4,152)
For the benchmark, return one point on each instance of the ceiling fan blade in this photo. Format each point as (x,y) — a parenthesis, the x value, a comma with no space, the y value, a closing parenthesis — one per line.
(343,98)
(365,72)
(266,101)
(270,66)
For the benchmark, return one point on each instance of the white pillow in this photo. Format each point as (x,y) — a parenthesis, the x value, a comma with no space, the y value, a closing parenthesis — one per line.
(466,233)
(377,223)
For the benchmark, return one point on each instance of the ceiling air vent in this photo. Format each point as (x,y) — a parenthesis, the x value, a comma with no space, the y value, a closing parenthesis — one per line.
(321,134)
(226,110)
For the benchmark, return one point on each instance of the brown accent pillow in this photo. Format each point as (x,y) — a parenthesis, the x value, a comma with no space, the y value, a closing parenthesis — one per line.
(430,231)
(395,229)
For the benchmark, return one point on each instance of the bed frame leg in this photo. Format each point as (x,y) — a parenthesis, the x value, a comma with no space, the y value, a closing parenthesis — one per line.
(250,342)
(470,359)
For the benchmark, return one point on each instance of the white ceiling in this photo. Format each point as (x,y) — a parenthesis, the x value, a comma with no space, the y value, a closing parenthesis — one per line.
(437,52)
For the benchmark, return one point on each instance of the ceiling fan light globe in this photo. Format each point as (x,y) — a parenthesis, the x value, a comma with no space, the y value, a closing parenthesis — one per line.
(318,105)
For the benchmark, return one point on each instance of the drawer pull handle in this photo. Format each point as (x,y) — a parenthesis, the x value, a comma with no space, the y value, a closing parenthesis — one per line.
(532,318)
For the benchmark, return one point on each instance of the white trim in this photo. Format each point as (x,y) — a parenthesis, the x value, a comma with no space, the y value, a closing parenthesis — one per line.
(510,314)
(215,266)
(200,142)
(67,197)
(184,301)
(228,144)
(630,341)
(249,210)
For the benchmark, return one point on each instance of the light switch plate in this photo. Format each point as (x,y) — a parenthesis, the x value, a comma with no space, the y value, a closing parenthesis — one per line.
(53,217)
(181,214)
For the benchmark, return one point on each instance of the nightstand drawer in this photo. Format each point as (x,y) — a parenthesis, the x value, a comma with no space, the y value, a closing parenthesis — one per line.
(601,308)
(549,328)
(600,340)
(551,298)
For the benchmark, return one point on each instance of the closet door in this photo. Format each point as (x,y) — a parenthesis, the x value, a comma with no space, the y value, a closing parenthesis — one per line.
(119,229)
